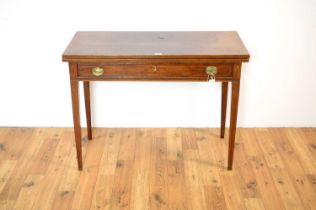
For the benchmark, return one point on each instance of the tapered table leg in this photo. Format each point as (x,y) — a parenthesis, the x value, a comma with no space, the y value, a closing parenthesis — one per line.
(233,121)
(76,119)
(86,88)
(224,106)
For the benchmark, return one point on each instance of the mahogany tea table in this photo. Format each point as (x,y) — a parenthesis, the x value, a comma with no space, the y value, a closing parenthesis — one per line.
(156,56)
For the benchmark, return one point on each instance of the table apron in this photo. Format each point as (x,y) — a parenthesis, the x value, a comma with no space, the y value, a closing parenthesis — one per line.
(126,71)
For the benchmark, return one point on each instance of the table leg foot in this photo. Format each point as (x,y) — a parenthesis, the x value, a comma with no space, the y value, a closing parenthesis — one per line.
(76,120)
(233,121)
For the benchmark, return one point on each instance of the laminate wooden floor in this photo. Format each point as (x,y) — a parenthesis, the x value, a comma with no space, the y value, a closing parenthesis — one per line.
(173,168)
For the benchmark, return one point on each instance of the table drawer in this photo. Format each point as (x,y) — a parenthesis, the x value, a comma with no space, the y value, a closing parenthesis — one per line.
(152,72)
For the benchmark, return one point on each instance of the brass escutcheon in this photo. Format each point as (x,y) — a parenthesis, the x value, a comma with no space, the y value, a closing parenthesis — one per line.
(97,71)
(211,70)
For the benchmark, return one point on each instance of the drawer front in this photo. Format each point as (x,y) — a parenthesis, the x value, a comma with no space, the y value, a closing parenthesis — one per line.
(152,72)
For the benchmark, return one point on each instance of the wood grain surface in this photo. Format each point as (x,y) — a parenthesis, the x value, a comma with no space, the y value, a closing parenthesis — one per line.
(157,168)
(159,44)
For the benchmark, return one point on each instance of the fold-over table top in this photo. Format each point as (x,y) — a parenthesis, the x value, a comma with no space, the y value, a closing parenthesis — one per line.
(151,45)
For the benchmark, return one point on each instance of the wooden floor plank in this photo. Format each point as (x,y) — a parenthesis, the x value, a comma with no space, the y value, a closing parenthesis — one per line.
(245,177)
(121,193)
(233,194)
(105,180)
(157,168)
(52,177)
(158,188)
(111,151)
(188,138)
(13,143)
(6,168)
(270,195)
(208,167)
(13,186)
(30,190)
(304,154)
(141,169)
(87,180)
(312,181)
(174,144)
(254,204)
(270,153)
(296,173)
(194,190)
(176,185)
(214,198)
(287,191)
(127,146)
(69,178)
(309,137)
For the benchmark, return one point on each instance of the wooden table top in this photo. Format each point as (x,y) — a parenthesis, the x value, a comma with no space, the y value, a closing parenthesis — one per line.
(148,45)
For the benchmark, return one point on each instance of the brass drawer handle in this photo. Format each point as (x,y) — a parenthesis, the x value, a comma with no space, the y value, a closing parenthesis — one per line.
(97,71)
(211,72)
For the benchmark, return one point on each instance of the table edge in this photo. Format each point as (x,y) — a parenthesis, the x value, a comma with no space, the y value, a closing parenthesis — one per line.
(87,58)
